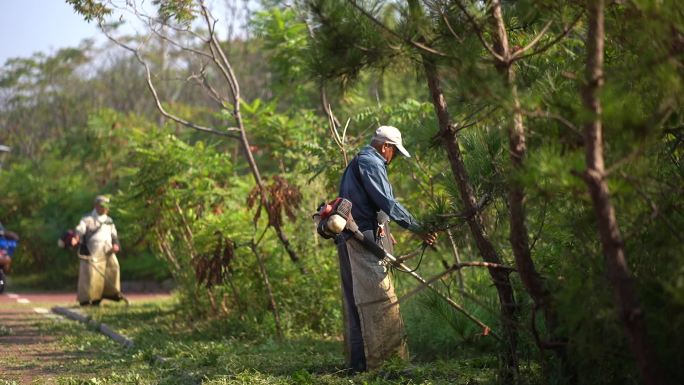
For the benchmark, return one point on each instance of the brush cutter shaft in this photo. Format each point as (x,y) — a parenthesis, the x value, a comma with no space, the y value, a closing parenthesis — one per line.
(382,254)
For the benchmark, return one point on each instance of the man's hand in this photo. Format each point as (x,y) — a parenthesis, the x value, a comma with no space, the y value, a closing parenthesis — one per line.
(115,248)
(428,238)
(74,240)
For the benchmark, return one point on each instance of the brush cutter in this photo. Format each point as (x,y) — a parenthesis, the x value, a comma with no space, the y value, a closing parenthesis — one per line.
(335,217)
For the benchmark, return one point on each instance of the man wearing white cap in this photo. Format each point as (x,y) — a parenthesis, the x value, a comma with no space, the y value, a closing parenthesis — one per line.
(98,275)
(373,328)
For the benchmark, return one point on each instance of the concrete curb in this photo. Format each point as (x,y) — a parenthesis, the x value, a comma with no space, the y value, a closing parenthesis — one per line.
(100,327)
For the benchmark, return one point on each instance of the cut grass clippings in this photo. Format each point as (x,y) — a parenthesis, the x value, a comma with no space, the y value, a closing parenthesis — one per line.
(170,349)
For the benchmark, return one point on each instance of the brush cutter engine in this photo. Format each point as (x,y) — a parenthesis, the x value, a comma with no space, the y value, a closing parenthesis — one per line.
(332,218)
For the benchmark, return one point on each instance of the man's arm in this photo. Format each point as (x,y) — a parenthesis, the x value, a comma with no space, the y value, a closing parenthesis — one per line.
(377,185)
(115,240)
(80,231)
(82,227)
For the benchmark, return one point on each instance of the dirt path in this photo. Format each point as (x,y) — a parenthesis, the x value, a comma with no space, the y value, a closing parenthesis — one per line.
(27,354)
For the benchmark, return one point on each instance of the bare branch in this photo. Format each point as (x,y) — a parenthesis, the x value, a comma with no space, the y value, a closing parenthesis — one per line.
(550,115)
(413,43)
(520,54)
(412,254)
(202,81)
(219,57)
(465,124)
(153,90)
(478,32)
(655,211)
(534,41)
(334,123)
(326,106)
(176,44)
(451,269)
(466,214)
(153,22)
(657,120)
(626,160)
(451,30)
(457,257)
(541,226)
(224,65)
(344,131)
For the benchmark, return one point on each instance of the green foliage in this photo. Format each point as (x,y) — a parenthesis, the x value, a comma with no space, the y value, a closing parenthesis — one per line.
(286,37)
(350,38)
(639,96)
(435,329)
(78,167)
(90,9)
(79,127)
(182,11)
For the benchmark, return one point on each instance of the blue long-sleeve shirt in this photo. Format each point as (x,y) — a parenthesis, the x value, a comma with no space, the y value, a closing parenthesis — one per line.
(373,192)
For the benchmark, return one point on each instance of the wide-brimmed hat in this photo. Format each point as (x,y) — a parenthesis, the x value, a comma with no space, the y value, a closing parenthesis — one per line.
(391,135)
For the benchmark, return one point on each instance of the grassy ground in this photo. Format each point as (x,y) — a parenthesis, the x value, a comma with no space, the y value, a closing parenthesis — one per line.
(33,350)
(172,350)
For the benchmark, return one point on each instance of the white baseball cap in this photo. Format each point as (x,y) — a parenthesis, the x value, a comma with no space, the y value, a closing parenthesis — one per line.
(391,135)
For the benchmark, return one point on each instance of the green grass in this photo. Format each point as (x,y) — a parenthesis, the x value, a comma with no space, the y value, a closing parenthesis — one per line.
(171,349)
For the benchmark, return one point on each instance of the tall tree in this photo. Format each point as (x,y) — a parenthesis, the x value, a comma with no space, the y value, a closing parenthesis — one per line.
(504,57)
(629,309)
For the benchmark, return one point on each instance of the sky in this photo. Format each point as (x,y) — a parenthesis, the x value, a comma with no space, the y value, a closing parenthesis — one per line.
(28,26)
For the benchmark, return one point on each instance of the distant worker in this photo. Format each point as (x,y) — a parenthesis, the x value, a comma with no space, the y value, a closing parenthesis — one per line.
(373,328)
(98,275)
(8,243)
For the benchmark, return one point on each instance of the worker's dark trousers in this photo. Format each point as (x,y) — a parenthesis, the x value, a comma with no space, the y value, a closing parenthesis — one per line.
(352,324)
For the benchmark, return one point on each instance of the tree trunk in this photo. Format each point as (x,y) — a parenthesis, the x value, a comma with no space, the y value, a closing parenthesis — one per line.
(501,279)
(519,236)
(624,293)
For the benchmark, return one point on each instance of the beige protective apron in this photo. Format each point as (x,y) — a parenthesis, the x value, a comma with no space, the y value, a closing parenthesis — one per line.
(99,275)
(381,324)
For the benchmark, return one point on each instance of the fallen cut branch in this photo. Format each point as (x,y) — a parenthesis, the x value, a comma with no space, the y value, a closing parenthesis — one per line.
(98,326)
